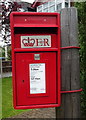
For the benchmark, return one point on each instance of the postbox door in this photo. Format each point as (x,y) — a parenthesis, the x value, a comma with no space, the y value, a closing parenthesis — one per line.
(36,78)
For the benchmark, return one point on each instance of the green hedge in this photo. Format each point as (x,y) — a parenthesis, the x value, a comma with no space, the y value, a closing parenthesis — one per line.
(81,7)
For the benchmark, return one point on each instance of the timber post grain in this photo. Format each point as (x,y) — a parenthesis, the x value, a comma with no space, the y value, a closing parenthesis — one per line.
(70,69)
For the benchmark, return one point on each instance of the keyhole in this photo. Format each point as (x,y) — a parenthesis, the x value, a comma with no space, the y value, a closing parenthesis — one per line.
(45,20)
(25,19)
(23,81)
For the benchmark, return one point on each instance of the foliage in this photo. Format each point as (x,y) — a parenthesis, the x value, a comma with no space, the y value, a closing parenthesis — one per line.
(7,106)
(7,8)
(3,52)
(82,40)
(9,54)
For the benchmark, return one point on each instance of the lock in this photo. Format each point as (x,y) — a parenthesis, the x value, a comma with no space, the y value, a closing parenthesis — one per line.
(36,56)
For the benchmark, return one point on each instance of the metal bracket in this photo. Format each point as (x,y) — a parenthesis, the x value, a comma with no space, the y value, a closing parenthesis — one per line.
(72,91)
(68,47)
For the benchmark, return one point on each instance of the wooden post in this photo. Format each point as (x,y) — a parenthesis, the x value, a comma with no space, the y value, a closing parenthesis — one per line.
(70,71)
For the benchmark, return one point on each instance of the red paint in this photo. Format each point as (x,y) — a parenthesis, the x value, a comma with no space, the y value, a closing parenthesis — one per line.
(72,91)
(23,89)
(69,47)
(35,24)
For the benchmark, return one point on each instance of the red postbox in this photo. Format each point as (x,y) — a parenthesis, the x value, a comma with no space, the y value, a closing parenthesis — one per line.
(35,59)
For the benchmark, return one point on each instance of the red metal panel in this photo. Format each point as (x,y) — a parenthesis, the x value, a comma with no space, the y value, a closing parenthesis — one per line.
(42,19)
(35,49)
(35,18)
(59,62)
(35,24)
(23,87)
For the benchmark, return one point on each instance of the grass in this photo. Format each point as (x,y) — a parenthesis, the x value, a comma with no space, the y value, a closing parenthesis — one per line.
(7,107)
